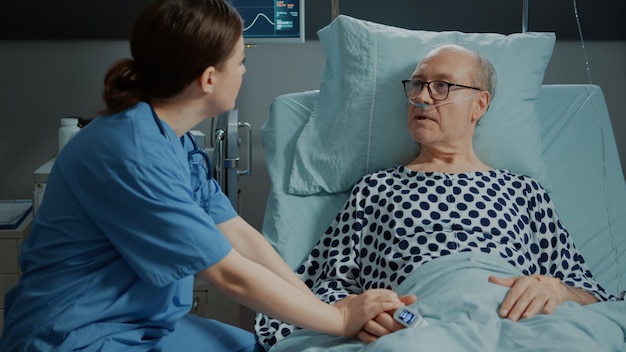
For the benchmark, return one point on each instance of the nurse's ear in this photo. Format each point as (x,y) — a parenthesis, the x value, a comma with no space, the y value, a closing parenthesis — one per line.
(207,79)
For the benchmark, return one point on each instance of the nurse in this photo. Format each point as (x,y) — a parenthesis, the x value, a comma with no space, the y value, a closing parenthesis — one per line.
(127,221)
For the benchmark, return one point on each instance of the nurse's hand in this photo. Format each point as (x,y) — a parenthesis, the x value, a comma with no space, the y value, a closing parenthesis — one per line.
(382,322)
(357,310)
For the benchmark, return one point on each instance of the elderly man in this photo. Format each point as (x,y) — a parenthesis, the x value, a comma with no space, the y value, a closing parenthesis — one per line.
(445,203)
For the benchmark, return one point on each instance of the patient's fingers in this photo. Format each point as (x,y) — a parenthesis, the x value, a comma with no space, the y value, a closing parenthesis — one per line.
(383,323)
(408,299)
(529,305)
(386,321)
(528,296)
(373,302)
(366,337)
(508,282)
(512,296)
(380,326)
(550,306)
(514,306)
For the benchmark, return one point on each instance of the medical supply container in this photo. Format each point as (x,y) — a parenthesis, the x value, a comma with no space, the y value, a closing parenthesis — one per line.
(69,127)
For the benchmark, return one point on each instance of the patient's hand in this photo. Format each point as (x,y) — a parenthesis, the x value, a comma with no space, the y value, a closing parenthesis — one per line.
(383,323)
(530,295)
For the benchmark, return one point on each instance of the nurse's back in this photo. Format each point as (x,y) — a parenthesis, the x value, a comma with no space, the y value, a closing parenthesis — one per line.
(76,287)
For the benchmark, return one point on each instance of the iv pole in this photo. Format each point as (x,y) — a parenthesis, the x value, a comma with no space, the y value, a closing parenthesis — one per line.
(525,16)
(334,9)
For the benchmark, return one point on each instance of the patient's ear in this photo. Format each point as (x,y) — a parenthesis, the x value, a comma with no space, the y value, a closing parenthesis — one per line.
(482,104)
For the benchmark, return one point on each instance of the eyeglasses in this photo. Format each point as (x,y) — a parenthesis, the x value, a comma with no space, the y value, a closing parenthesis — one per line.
(438,90)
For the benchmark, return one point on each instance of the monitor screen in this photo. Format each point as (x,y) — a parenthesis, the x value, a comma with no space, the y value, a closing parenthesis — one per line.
(271,21)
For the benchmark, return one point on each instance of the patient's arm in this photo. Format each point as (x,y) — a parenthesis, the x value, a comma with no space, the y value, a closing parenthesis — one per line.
(531,295)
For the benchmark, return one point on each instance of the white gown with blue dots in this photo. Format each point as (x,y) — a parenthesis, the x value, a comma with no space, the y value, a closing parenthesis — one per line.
(397,219)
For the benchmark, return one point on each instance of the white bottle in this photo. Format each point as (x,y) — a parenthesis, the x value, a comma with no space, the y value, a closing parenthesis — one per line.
(69,127)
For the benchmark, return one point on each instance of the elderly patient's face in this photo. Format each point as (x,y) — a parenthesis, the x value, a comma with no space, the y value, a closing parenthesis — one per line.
(452,123)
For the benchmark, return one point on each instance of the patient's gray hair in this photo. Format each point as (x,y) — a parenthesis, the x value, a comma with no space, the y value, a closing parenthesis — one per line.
(485,76)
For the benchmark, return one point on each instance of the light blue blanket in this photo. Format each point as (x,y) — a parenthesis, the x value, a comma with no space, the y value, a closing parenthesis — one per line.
(461,307)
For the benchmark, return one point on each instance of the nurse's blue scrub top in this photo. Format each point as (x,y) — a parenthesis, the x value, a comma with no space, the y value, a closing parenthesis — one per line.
(115,244)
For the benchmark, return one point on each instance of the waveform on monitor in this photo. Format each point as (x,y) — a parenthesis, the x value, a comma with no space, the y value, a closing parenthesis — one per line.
(256,18)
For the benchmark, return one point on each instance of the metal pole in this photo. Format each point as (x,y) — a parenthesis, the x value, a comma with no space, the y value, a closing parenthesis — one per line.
(334,9)
(525,16)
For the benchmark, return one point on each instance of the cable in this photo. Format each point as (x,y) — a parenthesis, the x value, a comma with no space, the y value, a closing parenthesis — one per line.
(604,165)
(582,41)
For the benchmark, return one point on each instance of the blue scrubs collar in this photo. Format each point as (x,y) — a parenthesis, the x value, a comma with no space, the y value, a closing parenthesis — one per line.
(196,150)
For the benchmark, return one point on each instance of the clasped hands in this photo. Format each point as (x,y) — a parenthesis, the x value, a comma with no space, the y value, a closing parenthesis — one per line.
(527,297)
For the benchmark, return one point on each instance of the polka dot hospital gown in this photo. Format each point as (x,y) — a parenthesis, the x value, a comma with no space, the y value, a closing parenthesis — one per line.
(398,219)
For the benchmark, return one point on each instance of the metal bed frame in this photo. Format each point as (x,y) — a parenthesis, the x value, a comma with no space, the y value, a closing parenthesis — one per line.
(224,149)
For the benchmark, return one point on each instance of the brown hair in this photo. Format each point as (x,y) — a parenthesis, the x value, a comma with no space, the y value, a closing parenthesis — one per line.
(172,43)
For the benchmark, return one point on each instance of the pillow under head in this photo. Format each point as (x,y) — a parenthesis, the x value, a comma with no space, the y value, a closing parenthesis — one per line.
(359,124)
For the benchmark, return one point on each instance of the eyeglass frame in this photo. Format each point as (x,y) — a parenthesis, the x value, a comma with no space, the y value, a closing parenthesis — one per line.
(430,93)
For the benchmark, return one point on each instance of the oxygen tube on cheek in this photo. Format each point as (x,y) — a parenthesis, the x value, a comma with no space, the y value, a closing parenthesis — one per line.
(423,106)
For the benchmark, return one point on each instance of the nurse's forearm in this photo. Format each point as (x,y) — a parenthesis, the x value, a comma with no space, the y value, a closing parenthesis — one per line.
(256,287)
(261,290)
(251,244)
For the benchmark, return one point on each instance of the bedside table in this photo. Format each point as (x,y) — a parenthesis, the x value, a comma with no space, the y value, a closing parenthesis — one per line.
(10,243)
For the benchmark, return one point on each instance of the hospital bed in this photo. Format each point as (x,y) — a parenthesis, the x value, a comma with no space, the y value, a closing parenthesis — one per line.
(318,143)
(224,150)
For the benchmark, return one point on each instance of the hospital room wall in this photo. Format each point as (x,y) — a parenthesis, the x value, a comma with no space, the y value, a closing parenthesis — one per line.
(42,81)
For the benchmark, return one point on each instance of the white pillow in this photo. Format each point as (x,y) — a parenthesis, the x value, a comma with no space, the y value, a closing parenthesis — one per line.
(360,122)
